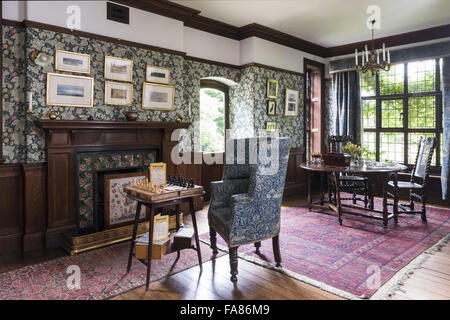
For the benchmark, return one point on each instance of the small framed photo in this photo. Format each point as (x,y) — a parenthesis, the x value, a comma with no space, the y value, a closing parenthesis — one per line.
(272,88)
(120,94)
(291,103)
(271,126)
(157,96)
(157,75)
(271,107)
(118,69)
(68,90)
(72,62)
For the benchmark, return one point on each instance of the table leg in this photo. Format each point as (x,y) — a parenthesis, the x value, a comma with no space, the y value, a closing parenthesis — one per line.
(136,219)
(338,197)
(150,246)
(177,217)
(194,223)
(309,190)
(322,194)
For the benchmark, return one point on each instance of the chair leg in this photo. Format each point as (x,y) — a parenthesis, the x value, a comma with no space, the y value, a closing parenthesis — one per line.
(354,198)
(257,246)
(276,250)
(395,209)
(213,239)
(385,208)
(233,263)
(411,201)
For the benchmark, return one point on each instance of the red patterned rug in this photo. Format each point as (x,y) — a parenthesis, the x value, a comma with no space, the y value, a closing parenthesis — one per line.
(102,274)
(357,257)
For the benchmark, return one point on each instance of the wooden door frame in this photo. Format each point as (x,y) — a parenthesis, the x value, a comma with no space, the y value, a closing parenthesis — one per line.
(1,91)
(321,67)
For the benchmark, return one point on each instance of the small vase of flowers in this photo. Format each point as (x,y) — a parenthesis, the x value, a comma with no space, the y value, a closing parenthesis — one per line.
(353,150)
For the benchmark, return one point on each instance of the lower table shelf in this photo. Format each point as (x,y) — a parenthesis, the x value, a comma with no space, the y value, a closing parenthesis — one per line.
(182,239)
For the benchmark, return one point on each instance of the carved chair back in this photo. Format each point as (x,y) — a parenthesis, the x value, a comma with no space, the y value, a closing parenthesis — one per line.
(335,143)
(423,160)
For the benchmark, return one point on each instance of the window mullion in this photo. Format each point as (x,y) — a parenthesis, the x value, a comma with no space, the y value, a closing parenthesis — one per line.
(405,113)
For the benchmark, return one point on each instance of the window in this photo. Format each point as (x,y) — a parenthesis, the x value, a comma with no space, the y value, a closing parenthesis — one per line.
(400,106)
(213,115)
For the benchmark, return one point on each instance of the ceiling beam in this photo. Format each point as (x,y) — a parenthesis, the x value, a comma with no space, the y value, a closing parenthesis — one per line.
(393,41)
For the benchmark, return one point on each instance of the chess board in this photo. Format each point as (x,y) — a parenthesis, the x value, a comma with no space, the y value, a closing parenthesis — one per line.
(171,192)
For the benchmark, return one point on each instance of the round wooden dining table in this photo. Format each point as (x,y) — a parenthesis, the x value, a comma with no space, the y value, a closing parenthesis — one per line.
(376,172)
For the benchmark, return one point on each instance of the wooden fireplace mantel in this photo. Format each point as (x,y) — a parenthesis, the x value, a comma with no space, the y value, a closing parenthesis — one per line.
(116,125)
(65,137)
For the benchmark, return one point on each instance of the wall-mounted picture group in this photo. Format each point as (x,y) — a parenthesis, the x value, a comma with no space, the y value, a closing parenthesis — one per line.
(78,91)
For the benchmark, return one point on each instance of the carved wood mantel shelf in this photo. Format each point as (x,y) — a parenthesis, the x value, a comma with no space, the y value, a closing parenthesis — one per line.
(65,137)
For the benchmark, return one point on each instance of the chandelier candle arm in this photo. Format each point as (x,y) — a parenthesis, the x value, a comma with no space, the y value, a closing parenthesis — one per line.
(371,59)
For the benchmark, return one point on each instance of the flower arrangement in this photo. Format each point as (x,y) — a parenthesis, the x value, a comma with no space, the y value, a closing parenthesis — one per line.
(352,149)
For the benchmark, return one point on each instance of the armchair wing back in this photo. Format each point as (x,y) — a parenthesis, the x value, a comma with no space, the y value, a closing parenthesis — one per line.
(245,206)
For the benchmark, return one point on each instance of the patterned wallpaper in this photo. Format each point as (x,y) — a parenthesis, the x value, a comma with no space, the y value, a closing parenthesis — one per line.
(24,142)
(289,126)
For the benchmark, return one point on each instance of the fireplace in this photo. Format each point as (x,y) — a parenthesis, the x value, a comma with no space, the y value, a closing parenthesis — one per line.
(75,147)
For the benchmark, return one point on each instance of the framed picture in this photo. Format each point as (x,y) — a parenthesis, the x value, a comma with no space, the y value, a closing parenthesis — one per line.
(272,88)
(119,210)
(271,126)
(157,74)
(271,107)
(120,94)
(157,96)
(68,90)
(72,62)
(291,103)
(118,69)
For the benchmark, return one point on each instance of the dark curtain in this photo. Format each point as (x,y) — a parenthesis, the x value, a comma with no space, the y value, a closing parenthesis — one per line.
(346,105)
(445,174)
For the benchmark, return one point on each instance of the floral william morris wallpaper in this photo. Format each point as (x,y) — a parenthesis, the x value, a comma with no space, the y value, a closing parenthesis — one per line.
(23,141)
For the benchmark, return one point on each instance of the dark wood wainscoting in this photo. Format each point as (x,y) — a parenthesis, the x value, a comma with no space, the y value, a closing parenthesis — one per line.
(35,199)
(296,179)
(11,207)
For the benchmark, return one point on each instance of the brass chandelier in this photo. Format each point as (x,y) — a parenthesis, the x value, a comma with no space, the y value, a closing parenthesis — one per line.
(371,60)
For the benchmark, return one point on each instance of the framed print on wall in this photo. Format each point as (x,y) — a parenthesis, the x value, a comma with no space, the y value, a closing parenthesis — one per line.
(72,62)
(291,103)
(119,210)
(120,94)
(157,96)
(271,107)
(70,91)
(272,88)
(271,126)
(157,75)
(118,69)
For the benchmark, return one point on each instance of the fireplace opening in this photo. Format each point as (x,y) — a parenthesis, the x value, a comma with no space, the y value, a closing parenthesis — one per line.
(112,169)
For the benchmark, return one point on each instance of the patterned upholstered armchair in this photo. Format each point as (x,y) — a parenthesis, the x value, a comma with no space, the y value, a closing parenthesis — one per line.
(245,206)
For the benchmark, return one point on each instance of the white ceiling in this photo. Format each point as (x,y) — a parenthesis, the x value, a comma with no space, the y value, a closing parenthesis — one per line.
(327,22)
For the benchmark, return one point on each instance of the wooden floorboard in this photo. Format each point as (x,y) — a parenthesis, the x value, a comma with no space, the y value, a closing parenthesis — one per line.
(430,281)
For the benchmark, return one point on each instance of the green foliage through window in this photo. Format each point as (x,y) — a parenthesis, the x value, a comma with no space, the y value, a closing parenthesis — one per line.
(212,120)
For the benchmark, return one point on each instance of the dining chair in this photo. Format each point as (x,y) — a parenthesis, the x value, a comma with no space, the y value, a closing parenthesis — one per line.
(353,184)
(245,206)
(416,185)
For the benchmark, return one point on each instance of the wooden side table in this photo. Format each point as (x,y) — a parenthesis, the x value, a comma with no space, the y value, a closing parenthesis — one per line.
(155,201)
